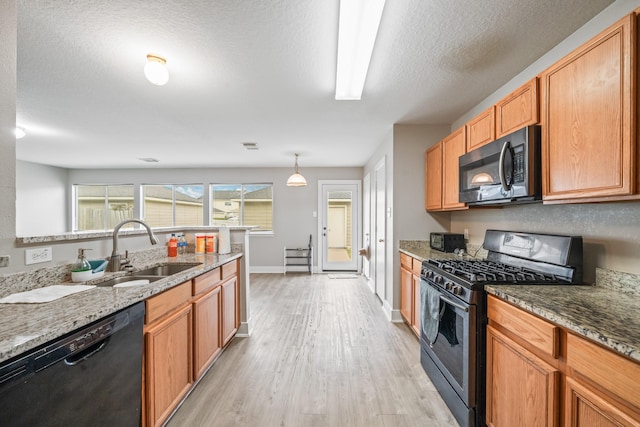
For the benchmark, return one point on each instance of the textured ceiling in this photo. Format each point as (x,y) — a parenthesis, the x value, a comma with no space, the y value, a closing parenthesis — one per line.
(258,71)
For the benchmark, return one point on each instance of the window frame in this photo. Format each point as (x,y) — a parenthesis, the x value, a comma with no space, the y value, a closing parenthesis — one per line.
(242,186)
(75,210)
(173,203)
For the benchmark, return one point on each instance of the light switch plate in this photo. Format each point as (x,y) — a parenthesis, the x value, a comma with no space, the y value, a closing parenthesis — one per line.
(4,260)
(37,255)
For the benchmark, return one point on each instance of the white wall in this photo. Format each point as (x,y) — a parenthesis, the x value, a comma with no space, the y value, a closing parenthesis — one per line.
(610,230)
(41,199)
(293,206)
(8,20)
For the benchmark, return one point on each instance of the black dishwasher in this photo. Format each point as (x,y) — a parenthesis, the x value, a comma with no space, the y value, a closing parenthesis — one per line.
(89,377)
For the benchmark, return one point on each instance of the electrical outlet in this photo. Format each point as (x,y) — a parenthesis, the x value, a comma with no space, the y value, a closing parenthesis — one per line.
(35,256)
(466,234)
(4,260)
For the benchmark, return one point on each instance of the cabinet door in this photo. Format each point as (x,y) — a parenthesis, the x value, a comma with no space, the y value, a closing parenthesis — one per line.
(481,130)
(522,390)
(518,110)
(588,132)
(453,147)
(229,310)
(168,362)
(406,289)
(206,336)
(433,178)
(415,322)
(586,408)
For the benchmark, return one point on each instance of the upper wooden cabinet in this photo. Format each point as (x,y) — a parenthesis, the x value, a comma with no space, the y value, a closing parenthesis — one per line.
(519,109)
(433,178)
(481,130)
(589,143)
(453,146)
(441,175)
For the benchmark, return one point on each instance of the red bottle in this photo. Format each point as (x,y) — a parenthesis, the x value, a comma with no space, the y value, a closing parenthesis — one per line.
(173,246)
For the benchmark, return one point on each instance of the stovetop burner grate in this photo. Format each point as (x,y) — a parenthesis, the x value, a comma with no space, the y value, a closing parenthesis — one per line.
(479,271)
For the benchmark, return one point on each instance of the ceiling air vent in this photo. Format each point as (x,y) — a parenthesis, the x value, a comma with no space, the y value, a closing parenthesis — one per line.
(148,159)
(250,145)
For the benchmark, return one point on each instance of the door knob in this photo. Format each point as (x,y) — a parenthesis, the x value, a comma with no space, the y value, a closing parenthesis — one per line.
(380,240)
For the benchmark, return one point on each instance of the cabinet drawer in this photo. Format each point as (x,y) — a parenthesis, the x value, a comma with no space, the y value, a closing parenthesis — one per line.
(537,332)
(613,372)
(406,261)
(229,269)
(416,266)
(170,299)
(206,281)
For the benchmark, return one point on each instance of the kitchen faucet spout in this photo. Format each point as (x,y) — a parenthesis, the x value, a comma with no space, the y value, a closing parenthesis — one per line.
(114,261)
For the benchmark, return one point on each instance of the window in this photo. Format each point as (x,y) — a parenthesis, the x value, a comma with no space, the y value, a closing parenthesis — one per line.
(102,207)
(172,205)
(243,204)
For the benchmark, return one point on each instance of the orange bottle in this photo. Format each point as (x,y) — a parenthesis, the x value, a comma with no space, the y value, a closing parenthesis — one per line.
(173,246)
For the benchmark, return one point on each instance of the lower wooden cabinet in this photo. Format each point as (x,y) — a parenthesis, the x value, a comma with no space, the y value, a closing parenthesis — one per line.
(522,389)
(410,291)
(539,374)
(207,342)
(186,328)
(229,302)
(585,407)
(168,358)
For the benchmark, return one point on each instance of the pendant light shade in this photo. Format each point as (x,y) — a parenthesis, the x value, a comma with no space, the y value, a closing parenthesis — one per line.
(296,180)
(155,70)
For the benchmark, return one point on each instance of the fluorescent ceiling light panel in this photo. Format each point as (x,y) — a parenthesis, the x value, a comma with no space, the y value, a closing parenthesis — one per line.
(359,22)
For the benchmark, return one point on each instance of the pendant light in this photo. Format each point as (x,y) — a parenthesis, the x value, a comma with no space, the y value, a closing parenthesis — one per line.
(155,70)
(296,180)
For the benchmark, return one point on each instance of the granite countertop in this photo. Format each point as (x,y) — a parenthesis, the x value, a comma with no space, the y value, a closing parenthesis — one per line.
(608,312)
(26,326)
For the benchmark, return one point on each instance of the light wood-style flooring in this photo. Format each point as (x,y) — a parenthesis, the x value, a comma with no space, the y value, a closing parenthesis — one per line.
(322,353)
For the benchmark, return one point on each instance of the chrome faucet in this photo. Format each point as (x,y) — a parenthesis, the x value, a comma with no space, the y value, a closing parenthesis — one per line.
(115,260)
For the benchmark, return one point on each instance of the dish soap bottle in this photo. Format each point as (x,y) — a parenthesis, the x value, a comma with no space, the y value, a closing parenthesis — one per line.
(173,246)
(81,270)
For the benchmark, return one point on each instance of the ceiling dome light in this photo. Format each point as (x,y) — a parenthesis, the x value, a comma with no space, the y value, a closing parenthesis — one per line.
(155,70)
(20,133)
(296,180)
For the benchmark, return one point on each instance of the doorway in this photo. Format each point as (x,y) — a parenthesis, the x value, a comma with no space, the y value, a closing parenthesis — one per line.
(339,225)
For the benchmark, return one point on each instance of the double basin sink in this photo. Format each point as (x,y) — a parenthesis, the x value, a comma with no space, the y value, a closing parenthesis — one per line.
(148,275)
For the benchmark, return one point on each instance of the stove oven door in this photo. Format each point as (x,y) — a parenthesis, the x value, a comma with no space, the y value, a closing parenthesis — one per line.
(454,349)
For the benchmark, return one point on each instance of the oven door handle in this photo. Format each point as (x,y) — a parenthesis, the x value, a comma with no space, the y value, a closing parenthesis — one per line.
(455,304)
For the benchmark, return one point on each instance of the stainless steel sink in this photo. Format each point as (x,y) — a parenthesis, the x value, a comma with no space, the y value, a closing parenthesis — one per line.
(124,280)
(164,270)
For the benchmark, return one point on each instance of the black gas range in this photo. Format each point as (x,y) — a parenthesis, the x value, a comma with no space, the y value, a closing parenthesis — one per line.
(453,304)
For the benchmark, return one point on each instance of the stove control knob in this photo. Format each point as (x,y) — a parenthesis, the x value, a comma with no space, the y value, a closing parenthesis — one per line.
(429,274)
(457,290)
(448,286)
(439,280)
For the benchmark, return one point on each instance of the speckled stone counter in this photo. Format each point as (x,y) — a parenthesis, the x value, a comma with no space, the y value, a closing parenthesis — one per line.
(26,326)
(608,312)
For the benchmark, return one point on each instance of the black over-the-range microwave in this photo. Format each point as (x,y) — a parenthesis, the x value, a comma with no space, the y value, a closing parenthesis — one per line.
(507,170)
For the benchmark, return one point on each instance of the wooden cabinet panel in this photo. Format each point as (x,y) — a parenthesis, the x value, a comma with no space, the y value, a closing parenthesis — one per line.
(453,146)
(406,292)
(586,408)
(206,339)
(160,304)
(588,132)
(433,178)
(612,372)
(416,266)
(228,297)
(168,371)
(406,261)
(206,281)
(535,331)
(522,389)
(415,316)
(481,130)
(519,109)
(229,269)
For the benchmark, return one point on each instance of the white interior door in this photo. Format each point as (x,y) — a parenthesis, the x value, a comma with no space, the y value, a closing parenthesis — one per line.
(366,224)
(380,229)
(340,226)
